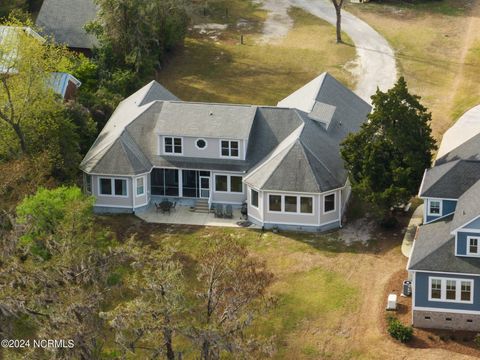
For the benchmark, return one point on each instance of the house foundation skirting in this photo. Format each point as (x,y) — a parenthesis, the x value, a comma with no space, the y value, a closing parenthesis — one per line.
(446,320)
(297,228)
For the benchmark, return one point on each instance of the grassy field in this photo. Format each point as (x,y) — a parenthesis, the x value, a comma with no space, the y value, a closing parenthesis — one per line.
(214,66)
(317,287)
(329,296)
(437,49)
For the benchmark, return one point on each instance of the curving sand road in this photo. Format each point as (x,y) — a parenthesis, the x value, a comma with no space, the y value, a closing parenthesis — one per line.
(375,58)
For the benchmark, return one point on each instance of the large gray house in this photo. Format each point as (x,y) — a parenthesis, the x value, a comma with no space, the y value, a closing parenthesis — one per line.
(283,161)
(445,259)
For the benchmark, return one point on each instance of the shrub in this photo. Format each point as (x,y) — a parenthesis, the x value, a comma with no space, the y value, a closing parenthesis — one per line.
(476,340)
(399,331)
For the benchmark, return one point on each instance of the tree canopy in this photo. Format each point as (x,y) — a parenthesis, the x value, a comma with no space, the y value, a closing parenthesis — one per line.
(386,159)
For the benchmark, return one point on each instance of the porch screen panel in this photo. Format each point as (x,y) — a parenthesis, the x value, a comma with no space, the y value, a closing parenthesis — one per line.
(190,183)
(158,182)
(171,182)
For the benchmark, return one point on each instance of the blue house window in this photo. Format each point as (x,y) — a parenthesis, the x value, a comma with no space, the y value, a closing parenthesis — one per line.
(435,207)
(472,246)
(466,294)
(451,290)
(436,289)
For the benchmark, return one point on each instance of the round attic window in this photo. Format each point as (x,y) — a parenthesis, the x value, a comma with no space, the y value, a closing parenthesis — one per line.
(201,144)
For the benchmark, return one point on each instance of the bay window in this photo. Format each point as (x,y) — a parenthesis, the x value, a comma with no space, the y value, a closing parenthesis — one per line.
(113,187)
(254,198)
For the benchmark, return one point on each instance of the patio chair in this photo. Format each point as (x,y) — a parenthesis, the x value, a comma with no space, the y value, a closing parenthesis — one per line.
(158,207)
(219,211)
(174,206)
(166,207)
(229,212)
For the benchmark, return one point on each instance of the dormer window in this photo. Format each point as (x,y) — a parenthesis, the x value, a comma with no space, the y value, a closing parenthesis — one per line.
(472,243)
(435,207)
(172,145)
(229,148)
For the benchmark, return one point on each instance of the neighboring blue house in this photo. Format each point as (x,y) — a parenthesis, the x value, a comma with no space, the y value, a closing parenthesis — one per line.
(445,259)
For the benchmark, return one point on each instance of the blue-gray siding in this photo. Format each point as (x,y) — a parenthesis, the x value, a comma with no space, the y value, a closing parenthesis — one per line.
(448,207)
(475,224)
(422,290)
(462,241)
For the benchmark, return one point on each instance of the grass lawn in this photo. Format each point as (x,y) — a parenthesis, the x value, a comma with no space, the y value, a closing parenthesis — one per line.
(436,51)
(214,66)
(328,295)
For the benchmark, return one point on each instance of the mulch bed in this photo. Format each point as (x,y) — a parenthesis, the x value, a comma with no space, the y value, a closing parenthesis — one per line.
(456,341)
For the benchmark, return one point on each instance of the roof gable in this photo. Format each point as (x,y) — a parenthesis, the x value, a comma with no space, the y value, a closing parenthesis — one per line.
(450,180)
(466,127)
(434,250)
(468,207)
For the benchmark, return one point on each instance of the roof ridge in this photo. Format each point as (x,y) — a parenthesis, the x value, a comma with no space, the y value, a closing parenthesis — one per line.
(318,159)
(313,154)
(109,144)
(304,148)
(283,152)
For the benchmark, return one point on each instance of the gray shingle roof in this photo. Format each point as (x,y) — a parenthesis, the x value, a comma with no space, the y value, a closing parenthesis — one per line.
(154,92)
(292,151)
(450,180)
(206,120)
(469,150)
(468,207)
(65,21)
(434,250)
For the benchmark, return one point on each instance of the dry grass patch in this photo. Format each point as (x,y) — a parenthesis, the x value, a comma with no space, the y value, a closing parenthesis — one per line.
(428,39)
(213,66)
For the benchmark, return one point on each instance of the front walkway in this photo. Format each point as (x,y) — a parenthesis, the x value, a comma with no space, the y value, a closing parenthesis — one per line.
(185,216)
(415,221)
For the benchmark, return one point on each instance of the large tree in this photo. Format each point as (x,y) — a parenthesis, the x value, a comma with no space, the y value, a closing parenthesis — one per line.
(386,159)
(157,311)
(26,64)
(54,273)
(136,33)
(232,286)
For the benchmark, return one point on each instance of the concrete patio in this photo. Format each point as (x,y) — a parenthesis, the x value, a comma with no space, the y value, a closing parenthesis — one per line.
(185,216)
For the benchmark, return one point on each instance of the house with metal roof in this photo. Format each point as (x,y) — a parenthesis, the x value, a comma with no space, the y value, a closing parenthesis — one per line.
(282,161)
(61,83)
(65,21)
(445,260)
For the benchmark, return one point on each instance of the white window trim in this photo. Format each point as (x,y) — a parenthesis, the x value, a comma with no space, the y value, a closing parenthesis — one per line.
(229,149)
(443,290)
(282,205)
(229,185)
(112,180)
(199,148)
(258,198)
(477,254)
(144,185)
(334,203)
(173,146)
(440,207)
